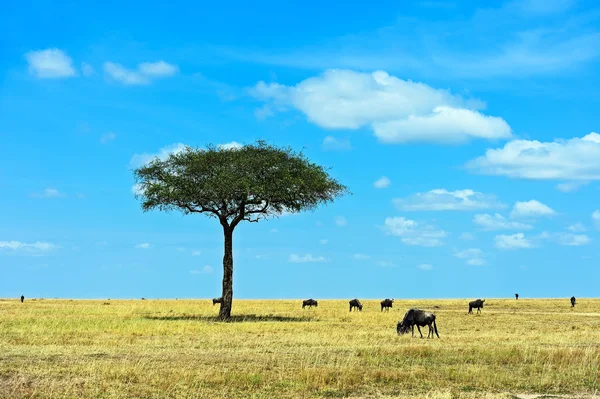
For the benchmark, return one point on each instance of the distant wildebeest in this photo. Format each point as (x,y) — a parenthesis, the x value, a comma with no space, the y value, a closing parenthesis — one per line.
(478,304)
(310,303)
(355,303)
(517,296)
(217,300)
(22,298)
(386,304)
(572,301)
(420,318)
(143,299)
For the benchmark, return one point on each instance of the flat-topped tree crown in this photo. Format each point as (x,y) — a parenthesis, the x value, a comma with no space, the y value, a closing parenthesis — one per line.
(234,184)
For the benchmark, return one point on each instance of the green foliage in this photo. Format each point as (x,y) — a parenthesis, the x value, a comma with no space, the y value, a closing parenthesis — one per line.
(248,183)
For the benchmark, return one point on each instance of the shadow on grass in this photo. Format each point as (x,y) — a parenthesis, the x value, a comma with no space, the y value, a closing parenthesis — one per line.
(247,318)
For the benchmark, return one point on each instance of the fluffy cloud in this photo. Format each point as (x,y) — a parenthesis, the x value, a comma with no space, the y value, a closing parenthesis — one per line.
(577,228)
(37,247)
(573,240)
(574,159)
(444,200)
(571,186)
(425,266)
(382,182)
(531,209)
(414,233)
(143,245)
(49,193)
(398,111)
(205,270)
(596,218)
(162,154)
(473,256)
(107,137)
(341,221)
(514,241)
(50,64)
(498,222)
(143,75)
(331,143)
(305,258)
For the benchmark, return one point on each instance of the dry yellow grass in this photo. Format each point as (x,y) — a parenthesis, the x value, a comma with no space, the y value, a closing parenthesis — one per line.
(274,349)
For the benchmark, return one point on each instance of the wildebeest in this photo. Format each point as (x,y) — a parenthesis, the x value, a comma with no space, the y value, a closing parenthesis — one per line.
(478,304)
(310,303)
(217,300)
(572,301)
(386,304)
(517,296)
(355,303)
(22,298)
(420,318)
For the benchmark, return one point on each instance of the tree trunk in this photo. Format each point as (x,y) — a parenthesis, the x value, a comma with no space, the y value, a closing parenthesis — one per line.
(225,311)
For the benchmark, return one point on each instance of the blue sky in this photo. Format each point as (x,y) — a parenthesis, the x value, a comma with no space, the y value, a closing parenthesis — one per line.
(466,135)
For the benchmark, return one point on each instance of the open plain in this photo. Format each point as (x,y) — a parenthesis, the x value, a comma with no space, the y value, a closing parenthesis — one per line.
(51,348)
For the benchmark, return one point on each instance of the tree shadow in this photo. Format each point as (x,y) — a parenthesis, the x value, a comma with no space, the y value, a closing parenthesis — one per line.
(247,318)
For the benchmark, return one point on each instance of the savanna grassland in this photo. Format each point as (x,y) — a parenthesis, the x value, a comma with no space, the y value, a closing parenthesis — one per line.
(275,349)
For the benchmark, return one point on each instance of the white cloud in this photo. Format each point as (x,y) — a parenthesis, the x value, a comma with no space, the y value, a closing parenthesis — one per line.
(444,200)
(162,154)
(341,221)
(398,111)
(87,69)
(361,257)
(107,137)
(476,262)
(323,242)
(49,193)
(143,245)
(233,145)
(571,186)
(331,143)
(473,256)
(205,270)
(382,182)
(425,267)
(50,63)
(143,75)
(577,228)
(574,240)
(498,222)
(531,209)
(574,159)
(157,69)
(196,253)
(596,218)
(467,236)
(305,258)
(414,233)
(30,248)
(514,241)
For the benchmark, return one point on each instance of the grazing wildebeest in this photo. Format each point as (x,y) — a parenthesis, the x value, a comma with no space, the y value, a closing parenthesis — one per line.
(420,318)
(386,304)
(310,303)
(22,298)
(217,300)
(355,303)
(572,301)
(517,296)
(478,304)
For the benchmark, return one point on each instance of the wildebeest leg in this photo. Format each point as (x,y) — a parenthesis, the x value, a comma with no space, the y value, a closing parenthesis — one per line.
(413,330)
(478,310)
(419,328)
(470,309)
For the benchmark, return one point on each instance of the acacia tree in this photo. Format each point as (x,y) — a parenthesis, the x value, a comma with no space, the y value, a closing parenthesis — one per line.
(232,185)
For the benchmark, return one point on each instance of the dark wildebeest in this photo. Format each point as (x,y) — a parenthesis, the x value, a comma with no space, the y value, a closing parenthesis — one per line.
(517,296)
(217,300)
(22,298)
(572,301)
(386,304)
(420,318)
(478,304)
(355,303)
(310,303)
